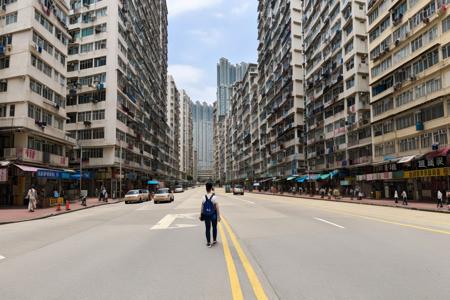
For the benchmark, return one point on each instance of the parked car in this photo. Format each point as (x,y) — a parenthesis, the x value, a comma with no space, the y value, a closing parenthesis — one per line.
(238,189)
(227,188)
(178,189)
(137,196)
(163,194)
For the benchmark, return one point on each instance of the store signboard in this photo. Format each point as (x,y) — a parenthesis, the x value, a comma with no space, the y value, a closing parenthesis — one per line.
(439,161)
(50,174)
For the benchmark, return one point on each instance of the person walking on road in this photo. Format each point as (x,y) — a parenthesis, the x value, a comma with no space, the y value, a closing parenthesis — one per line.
(210,214)
(440,202)
(405,198)
(396,196)
(32,199)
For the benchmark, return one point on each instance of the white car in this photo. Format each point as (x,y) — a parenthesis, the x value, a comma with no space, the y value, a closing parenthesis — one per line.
(238,189)
(163,195)
(137,196)
(178,189)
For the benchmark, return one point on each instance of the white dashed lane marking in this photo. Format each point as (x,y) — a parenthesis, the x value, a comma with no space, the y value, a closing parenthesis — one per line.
(328,222)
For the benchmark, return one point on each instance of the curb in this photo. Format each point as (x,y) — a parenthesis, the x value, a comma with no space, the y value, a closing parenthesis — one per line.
(60,213)
(360,203)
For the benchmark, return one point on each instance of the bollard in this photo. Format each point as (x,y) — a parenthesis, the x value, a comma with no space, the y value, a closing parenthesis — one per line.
(58,207)
(67,204)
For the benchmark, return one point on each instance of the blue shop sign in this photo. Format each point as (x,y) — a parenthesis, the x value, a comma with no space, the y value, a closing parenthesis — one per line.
(51,174)
(86,175)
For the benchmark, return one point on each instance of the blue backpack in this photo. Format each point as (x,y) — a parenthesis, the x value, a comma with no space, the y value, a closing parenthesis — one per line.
(209,209)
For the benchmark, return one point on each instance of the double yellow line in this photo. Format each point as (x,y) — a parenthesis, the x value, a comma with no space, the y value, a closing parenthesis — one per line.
(236,290)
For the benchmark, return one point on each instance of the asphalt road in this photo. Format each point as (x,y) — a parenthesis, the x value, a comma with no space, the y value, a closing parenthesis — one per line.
(269,248)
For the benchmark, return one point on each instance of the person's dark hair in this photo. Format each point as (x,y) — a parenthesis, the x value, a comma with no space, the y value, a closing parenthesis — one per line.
(209,187)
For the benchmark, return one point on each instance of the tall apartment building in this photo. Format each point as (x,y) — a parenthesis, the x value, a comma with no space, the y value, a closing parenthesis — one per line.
(281,76)
(186,138)
(337,98)
(173,120)
(244,135)
(227,75)
(117,80)
(409,46)
(202,115)
(33,55)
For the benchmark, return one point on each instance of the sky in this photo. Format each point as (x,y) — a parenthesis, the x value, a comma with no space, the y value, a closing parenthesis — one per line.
(203,31)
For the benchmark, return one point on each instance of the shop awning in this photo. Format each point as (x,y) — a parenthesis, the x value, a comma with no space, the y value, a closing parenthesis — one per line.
(153,182)
(437,153)
(334,173)
(406,159)
(324,176)
(27,168)
(4,163)
(265,180)
(291,177)
(301,179)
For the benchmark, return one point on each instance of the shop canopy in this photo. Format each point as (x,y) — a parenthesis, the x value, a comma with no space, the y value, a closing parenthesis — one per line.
(27,168)
(324,176)
(301,179)
(291,177)
(153,182)
(4,163)
(406,159)
(437,153)
(265,180)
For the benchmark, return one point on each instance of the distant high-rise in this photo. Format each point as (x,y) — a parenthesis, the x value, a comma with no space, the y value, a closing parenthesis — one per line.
(202,115)
(227,75)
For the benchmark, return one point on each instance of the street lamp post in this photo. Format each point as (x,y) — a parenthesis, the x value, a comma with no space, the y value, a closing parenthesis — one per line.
(81,164)
(120,171)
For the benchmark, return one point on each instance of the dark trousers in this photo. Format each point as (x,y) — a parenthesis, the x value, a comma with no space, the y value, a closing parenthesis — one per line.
(405,201)
(440,203)
(208,221)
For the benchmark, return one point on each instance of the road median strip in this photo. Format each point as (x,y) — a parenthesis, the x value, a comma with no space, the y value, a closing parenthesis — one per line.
(236,290)
(251,274)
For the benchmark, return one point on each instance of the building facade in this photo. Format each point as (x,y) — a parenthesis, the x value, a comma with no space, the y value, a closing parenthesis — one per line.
(33,56)
(202,115)
(337,98)
(174,121)
(409,49)
(117,92)
(281,92)
(186,138)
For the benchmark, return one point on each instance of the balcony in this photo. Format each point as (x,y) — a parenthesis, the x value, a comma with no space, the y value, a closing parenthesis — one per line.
(35,156)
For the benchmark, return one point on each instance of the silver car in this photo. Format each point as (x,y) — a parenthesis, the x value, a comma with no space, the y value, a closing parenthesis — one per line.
(163,195)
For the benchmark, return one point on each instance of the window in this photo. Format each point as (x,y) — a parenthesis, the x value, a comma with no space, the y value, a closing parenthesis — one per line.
(350,83)
(3,85)
(382,106)
(85,134)
(2,111)
(11,18)
(43,21)
(404,98)
(440,137)
(86,47)
(446,24)
(34,112)
(59,123)
(432,112)
(4,62)
(100,61)
(84,116)
(98,133)
(12,110)
(405,121)
(383,66)
(87,31)
(446,51)
(409,144)
(71,117)
(98,114)
(428,87)
(85,64)
(426,61)
(100,45)
(426,140)
(400,55)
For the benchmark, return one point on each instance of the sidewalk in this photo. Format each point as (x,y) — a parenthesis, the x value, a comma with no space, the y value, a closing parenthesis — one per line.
(384,202)
(20,214)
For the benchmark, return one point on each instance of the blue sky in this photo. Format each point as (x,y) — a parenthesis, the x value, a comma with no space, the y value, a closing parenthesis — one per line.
(201,32)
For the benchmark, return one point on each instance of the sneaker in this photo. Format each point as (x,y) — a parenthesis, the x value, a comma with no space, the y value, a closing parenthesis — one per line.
(208,245)
(214,242)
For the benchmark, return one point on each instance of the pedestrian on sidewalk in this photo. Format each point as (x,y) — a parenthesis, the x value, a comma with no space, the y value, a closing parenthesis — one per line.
(32,199)
(440,202)
(405,198)
(396,196)
(210,214)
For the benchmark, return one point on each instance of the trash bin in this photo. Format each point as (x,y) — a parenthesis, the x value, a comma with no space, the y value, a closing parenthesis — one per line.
(378,195)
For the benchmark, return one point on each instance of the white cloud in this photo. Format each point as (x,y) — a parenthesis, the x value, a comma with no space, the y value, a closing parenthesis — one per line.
(241,8)
(193,80)
(209,37)
(179,7)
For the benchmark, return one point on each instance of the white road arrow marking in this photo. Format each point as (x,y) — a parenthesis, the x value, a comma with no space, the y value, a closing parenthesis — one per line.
(328,222)
(166,222)
(2,257)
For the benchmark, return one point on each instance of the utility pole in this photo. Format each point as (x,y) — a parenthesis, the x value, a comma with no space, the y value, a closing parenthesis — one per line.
(81,164)
(120,172)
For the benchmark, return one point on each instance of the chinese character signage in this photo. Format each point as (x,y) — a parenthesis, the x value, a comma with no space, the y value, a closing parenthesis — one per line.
(431,162)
